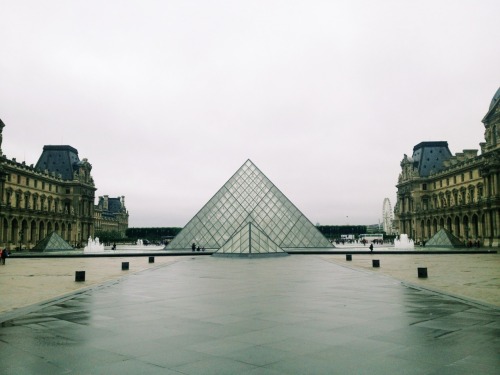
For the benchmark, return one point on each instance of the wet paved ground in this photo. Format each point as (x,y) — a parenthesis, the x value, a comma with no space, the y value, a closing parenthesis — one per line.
(293,315)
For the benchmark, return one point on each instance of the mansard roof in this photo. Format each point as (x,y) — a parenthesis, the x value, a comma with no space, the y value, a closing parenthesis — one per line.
(494,103)
(428,157)
(495,98)
(59,159)
(115,205)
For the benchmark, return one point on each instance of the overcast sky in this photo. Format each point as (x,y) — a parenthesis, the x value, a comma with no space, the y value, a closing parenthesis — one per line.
(167,99)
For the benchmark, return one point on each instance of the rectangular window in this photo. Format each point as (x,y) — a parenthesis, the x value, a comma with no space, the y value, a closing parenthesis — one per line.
(18,179)
(463,178)
(434,184)
(43,185)
(424,186)
(440,183)
(471,175)
(454,179)
(447,182)
(27,181)
(36,183)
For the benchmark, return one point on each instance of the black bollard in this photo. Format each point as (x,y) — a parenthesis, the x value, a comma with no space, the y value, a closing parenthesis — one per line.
(124,266)
(422,272)
(375,263)
(151,259)
(348,257)
(79,275)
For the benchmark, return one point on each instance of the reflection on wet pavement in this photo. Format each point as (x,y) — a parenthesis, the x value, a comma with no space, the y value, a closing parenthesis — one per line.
(293,315)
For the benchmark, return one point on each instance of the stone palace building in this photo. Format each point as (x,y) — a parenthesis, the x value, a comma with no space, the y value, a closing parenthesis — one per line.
(458,192)
(111,215)
(57,194)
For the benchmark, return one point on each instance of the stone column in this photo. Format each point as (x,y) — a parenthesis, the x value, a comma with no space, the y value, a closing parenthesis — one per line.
(495,223)
(487,228)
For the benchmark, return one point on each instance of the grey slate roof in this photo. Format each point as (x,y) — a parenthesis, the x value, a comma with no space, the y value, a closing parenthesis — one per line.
(494,101)
(495,98)
(114,205)
(429,156)
(59,159)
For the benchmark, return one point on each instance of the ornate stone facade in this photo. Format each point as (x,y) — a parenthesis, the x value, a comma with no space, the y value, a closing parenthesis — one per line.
(458,192)
(111,215)
(55,195)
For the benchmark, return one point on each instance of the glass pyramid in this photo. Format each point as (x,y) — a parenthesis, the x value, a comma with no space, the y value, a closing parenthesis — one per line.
(249,197)
(53,242)
(248,241)
(444,238)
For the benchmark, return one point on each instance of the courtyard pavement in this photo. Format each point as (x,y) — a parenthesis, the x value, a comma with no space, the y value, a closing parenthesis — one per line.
(301,314)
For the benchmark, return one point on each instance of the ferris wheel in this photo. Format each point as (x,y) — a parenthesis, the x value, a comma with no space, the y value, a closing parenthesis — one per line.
(387,216)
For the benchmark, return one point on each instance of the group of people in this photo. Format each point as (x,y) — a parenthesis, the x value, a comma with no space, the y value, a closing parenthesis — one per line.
(3,255)
(197,248)
(476,243)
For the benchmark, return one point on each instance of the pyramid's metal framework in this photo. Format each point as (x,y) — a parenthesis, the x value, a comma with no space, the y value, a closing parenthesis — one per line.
(52,242)
(249,197)
(250,240)
(444,238)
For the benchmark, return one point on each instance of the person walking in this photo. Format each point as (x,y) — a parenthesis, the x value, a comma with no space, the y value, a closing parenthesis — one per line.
(371,247)
(4,255)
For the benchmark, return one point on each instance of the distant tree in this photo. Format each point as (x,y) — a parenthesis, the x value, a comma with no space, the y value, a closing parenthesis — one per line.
(108,236)
(334,231)
(152,234)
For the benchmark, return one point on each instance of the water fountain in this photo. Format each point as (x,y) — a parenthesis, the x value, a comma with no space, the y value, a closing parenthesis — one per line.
(140,243)
(93,246)
(404,242)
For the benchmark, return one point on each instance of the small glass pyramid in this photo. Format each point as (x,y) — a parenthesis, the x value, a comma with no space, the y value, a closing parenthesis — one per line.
(249,197)
(248,241)
(53,242)
(444,238)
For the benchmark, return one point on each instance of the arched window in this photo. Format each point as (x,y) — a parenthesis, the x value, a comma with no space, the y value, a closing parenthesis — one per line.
(8,197)
(27,200)
(475,226)
(35,201)
(19,195)
(466,226)
(479,191)
(457,226)
(471,194)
